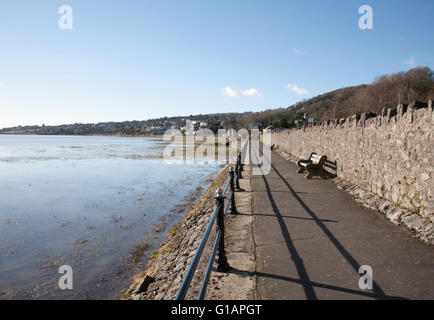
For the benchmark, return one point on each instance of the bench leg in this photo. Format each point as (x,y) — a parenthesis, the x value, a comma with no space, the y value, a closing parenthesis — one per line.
(322,173)
(311,171)
(301,168)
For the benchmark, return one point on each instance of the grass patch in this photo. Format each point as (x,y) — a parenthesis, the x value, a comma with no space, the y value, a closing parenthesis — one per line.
(383,190)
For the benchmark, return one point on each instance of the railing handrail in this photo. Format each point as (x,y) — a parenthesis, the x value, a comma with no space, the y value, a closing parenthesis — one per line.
(226,186)
(218,214)
(189,275)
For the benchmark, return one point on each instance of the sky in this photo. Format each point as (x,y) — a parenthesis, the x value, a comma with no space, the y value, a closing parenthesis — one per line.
(139,59)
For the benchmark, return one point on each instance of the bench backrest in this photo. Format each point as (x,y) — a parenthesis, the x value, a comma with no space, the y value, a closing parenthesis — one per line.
(317,159)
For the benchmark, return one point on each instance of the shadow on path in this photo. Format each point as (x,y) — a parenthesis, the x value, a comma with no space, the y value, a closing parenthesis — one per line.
(244,273)
(301,270)
(378,292)
(288,217)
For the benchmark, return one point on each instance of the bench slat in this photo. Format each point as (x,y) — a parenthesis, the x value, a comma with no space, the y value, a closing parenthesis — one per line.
(314,165)
(315,159)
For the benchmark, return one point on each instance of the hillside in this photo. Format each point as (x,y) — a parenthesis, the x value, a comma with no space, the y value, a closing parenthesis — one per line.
(385,92)
(131,128)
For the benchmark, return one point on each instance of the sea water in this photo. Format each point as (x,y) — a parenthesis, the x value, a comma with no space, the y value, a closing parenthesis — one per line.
(86,202)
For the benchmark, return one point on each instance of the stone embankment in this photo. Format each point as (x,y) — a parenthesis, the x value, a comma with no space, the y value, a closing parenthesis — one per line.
(165,271)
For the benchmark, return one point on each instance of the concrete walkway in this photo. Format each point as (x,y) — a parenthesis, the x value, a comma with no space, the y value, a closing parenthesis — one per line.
(311,238)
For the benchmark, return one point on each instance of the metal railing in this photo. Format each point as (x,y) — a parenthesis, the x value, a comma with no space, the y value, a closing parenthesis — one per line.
(217,260)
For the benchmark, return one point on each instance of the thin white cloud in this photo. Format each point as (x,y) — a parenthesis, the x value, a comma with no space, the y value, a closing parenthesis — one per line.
(298,51)
(411,62)
(252,93)
(297,90)
(228,91)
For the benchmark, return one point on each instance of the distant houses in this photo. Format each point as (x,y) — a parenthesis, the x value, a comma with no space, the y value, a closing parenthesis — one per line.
(145,127)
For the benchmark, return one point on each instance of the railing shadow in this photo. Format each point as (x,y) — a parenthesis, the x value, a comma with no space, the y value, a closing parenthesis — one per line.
(286,217)
(301,270)
(304,280)
(379,293)
(314,284)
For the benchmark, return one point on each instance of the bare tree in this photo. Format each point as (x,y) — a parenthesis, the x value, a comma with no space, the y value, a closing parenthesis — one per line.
(380,91)
(400,87)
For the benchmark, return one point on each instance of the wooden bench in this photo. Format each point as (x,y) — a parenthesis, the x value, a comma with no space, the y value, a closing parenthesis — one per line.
(314,166)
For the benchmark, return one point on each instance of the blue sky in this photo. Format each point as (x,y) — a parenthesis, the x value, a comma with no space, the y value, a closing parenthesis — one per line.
(137,59)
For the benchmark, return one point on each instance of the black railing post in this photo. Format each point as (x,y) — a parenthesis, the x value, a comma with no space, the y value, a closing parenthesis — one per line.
(239,167)
(237,176)
(241,161)
(222,264)
(232,177)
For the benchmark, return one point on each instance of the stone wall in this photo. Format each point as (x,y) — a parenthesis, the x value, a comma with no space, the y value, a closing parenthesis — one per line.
(390,154)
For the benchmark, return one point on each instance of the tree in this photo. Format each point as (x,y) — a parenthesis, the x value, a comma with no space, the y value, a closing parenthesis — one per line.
(283,123)
(400,86)
(299,116)
(380,91)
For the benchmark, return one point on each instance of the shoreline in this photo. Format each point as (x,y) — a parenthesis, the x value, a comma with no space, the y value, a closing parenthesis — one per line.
(163,274)
(132,253)
(158,136)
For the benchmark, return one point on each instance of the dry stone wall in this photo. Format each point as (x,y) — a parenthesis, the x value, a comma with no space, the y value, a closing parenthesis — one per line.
(390,154)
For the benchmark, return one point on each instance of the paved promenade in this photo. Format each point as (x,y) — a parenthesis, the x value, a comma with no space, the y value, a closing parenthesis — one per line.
(311,238)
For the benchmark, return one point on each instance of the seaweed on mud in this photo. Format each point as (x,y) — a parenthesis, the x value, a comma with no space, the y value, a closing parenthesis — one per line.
(140,251)
(90,205)
(52,262)
(161,227)
(81,241)
(10,221)
(116,218)
(65,223)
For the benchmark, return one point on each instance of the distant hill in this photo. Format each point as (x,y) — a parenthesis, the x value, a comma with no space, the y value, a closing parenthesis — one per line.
(385,92)
(131,128)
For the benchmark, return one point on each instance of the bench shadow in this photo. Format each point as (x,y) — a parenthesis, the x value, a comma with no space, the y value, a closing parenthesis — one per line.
(328,175)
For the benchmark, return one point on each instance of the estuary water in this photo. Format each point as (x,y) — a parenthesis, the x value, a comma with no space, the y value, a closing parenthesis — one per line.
(98,204)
